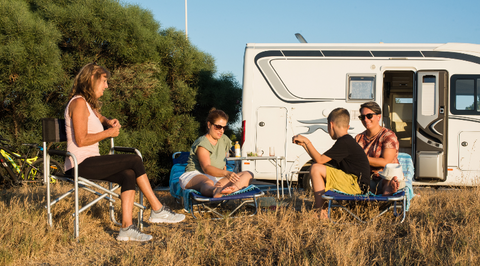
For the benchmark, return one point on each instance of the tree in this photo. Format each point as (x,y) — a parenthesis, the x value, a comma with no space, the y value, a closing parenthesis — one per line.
(142,102)
(30,67)
(151,71)
(101,31)
(160,83)
(223,93)
(472,107)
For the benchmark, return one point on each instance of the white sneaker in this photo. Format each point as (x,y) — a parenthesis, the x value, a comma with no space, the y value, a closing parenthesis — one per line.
(132,233)
(165,215)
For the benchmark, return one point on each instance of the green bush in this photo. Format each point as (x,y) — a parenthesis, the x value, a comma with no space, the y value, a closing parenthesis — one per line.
(161,88)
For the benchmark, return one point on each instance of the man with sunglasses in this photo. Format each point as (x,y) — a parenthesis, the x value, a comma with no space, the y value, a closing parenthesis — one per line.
(381,146)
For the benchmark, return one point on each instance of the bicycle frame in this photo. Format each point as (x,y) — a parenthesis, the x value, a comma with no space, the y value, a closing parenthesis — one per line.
(15,170)
(8,168)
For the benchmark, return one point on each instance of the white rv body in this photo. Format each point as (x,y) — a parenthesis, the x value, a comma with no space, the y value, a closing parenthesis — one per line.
(429,94)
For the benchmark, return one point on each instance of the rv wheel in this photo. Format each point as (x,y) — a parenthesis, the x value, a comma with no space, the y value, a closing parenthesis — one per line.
(307,182)
(304,176)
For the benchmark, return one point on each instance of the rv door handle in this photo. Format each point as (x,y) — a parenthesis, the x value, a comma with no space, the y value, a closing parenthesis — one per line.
(464,143)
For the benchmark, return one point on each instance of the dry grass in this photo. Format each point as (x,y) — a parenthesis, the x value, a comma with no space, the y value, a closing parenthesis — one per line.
(442,227)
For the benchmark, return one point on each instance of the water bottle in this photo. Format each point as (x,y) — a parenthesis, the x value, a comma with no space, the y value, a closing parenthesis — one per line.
(237,149)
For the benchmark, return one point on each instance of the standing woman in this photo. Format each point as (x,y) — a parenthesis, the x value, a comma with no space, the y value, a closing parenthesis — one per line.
(85,128)
(206,167)
(381,146)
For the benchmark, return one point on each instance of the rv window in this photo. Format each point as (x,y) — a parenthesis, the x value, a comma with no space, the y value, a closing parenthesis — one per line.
(478,95)
(428,96)
(361,87)
(403,100)
(465,94)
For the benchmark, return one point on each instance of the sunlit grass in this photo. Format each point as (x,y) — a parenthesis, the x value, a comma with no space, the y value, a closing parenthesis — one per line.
(442,227)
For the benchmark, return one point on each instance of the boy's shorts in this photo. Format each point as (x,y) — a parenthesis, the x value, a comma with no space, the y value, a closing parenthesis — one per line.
(341,181)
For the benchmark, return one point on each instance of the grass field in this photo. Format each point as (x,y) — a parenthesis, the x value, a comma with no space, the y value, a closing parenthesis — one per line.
(442,227)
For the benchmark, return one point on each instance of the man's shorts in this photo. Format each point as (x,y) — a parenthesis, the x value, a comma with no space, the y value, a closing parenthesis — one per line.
(341,181)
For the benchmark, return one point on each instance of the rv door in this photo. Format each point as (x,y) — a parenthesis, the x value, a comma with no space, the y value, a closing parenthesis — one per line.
(271,132)
(431,125)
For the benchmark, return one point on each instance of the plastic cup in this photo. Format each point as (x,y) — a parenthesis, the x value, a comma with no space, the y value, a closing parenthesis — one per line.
(271,151)
(259,152)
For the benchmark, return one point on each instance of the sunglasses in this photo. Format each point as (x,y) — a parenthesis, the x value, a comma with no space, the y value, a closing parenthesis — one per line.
(218,127)
(369,116)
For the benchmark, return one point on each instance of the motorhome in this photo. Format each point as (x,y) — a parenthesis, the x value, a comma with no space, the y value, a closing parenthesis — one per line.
(429,94)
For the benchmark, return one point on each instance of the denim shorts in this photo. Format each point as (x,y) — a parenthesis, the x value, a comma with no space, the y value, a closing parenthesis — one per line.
(187,176)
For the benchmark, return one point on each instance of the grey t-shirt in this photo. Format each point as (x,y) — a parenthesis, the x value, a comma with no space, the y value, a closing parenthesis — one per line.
(218,153)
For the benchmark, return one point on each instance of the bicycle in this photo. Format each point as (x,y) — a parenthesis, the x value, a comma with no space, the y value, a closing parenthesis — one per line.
(16,169)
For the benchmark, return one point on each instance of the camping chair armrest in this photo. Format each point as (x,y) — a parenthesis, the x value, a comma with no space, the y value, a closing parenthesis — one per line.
(64,154)
(59,153)
(125,149)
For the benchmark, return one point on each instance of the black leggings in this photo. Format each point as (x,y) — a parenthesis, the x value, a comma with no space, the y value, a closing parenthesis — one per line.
(123,169)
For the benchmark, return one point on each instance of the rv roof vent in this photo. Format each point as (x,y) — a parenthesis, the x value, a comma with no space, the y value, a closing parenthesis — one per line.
(300,38)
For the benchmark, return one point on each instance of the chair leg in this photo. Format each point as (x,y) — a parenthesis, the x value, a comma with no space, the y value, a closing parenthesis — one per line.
(77,223)
(46,171)
(388,206)
(112,208)
(209,207)
(140,206)
(191,207)
(140,213)
(329,209)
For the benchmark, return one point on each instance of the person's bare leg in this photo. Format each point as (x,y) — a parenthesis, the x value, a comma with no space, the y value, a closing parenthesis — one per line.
(318,173)
(390,186)
(244,180)
(202,184)
(128,198)
(206,187)
(224,186)
(144,185)
(223,190)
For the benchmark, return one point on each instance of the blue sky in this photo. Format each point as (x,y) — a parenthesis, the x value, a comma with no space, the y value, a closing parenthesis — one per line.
(222,28)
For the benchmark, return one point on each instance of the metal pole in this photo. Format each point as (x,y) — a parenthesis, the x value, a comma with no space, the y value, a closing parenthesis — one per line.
(186,22)
(46,179)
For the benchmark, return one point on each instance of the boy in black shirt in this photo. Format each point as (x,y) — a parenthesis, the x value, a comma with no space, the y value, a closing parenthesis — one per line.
(352,175)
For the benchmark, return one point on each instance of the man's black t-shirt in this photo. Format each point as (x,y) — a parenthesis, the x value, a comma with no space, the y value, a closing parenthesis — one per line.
(349,157)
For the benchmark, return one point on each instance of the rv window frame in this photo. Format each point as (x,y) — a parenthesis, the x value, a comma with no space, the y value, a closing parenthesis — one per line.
(356,75)
(453,94)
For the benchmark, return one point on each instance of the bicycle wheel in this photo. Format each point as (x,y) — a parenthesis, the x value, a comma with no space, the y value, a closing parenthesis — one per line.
(7,177)
(35,172)
(4,178)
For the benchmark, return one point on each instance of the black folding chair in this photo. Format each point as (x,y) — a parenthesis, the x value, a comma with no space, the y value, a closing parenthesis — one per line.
(54,131)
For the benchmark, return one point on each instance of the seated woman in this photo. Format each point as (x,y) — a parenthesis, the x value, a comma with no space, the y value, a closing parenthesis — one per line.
(206,167)
(84,126)
(381,146)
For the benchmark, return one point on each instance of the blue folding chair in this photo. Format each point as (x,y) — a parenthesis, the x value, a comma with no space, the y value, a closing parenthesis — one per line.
(193,201)
(397,203)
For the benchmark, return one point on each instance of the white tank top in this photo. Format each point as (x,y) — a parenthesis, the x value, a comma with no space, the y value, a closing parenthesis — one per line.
(81,153)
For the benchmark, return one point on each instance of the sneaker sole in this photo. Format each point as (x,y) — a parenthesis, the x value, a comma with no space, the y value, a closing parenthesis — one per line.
(164,221)
(131,239)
